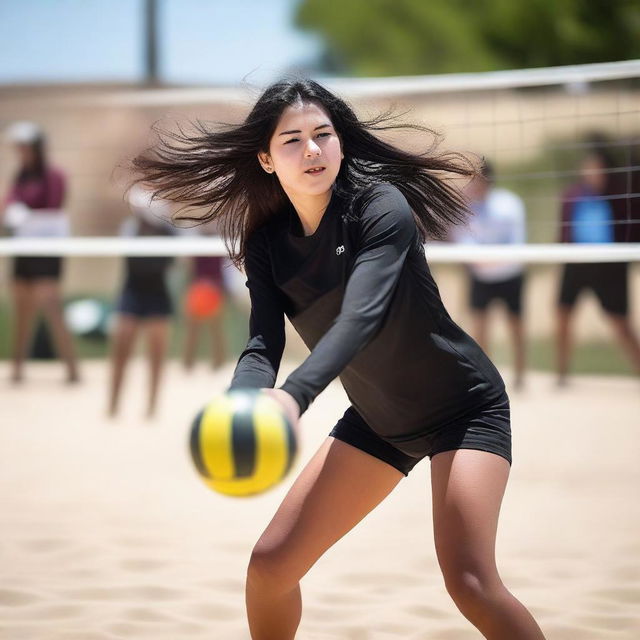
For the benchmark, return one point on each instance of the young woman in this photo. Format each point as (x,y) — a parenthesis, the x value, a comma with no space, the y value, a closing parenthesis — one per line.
(39,190)
(330,222)
(144,305)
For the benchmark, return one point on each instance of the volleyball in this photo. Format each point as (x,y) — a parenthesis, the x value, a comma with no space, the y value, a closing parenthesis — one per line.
(242,443)
(203,299)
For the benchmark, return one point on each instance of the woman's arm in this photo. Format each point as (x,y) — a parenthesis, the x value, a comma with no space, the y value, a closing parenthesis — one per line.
(259,362)
(388,230)
(56,189)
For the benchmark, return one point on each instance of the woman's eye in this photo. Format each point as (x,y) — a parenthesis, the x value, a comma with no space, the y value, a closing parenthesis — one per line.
(318,136)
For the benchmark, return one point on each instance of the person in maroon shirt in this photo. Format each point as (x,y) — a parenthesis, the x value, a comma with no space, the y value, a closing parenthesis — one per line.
(330,223)
(36,279)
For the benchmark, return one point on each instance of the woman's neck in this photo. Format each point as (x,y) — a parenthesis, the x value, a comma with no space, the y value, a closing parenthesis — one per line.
(310,209)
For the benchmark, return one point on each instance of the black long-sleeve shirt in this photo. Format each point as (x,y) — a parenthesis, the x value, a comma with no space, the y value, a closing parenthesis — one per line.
(360,294)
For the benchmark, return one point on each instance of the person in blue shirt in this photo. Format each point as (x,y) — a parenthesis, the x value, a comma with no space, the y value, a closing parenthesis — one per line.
(330,222)
(589,215)
(499,217)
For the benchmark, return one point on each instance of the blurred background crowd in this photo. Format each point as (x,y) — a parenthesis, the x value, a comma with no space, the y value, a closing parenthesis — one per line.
(561,164)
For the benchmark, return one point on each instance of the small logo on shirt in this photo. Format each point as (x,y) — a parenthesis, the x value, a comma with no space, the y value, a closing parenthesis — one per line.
(339,249)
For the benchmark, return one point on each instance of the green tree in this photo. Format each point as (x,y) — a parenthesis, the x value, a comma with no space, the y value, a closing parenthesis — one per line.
(406,37)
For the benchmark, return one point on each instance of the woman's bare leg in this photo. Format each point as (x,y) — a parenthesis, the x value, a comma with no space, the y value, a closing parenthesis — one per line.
(467,488)
(627,338)
(480,321)
(516,326)
(192,330)
(24,313)
(563,343)
(157,330)
(336,490)
(218,345)
(50,300)
(124,336)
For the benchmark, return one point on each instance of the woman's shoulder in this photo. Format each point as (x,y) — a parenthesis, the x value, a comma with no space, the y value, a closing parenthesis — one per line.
(378,189)
(55,172)
(382,199)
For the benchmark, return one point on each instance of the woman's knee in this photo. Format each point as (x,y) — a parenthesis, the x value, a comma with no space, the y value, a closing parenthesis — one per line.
(472,590)
(270,567)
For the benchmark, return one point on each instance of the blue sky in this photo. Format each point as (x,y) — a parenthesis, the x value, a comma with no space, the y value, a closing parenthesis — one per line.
(202,41)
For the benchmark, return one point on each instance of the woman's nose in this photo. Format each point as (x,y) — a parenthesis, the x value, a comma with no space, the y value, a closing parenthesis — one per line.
(312,149)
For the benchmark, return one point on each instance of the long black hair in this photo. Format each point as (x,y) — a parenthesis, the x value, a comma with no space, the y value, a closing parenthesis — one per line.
(218,170)
(39,167)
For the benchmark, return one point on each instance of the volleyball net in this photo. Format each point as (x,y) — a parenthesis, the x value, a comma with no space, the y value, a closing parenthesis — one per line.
(534,126)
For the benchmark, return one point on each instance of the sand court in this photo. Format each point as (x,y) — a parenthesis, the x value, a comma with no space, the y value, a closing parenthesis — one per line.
(107,532)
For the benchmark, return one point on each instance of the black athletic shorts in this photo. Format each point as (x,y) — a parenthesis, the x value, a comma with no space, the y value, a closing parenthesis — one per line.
(37,267)
(609,281)
(509,291)
(145,304)
(486,429)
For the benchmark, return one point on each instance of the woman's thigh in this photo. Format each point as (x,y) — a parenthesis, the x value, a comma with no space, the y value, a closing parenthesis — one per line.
(338,487)
(467,487)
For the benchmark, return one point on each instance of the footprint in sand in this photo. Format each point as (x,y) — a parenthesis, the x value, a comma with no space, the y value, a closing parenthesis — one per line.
(211,611)
(331,597)
(13,598)
(136,565)
(82,635)
(144,614)
(452,633)
(45,545)
(60,611)
(125,594)
(228,586)
(620,594)
(572,633)
(424,611)
(611,623)
(391,579)
(627,573)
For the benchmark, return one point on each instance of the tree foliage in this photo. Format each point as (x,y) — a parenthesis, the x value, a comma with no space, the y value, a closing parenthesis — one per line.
(405,37)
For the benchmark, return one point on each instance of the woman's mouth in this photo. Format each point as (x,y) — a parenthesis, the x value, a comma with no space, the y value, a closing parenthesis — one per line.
(315,171)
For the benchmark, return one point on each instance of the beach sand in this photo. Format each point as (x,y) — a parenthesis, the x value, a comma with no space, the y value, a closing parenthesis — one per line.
(107,532)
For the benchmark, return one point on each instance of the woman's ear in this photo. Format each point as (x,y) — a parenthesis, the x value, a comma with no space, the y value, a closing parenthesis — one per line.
(265,161)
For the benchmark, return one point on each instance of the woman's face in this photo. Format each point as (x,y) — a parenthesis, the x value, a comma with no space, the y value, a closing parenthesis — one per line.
(304,138)
(592,172)
(26,155)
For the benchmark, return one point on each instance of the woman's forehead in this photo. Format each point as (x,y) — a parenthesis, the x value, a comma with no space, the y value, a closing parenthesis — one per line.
(302,114)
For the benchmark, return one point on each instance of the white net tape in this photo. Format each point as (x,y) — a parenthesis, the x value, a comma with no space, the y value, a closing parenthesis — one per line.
(437,252)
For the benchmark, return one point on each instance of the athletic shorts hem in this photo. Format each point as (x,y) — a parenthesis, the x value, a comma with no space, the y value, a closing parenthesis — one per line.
(486,429)
(496,451)
(397,462)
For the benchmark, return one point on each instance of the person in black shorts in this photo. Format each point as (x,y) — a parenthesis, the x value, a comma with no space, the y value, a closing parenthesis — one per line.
(588,216)
(144,303)
(498,218)
(38,191)
(329,222)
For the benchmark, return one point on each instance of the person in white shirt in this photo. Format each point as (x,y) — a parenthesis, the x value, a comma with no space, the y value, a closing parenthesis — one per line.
(499,217)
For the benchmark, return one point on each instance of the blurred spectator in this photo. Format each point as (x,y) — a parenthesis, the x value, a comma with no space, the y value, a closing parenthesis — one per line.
(498,218)
(33,208)
(591,213)
(203,306)
(144,303)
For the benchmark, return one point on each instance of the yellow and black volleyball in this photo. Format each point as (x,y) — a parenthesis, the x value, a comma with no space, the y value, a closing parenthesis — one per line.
(242,443)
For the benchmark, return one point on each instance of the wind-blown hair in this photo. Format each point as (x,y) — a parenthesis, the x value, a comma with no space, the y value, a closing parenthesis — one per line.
(218,170)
